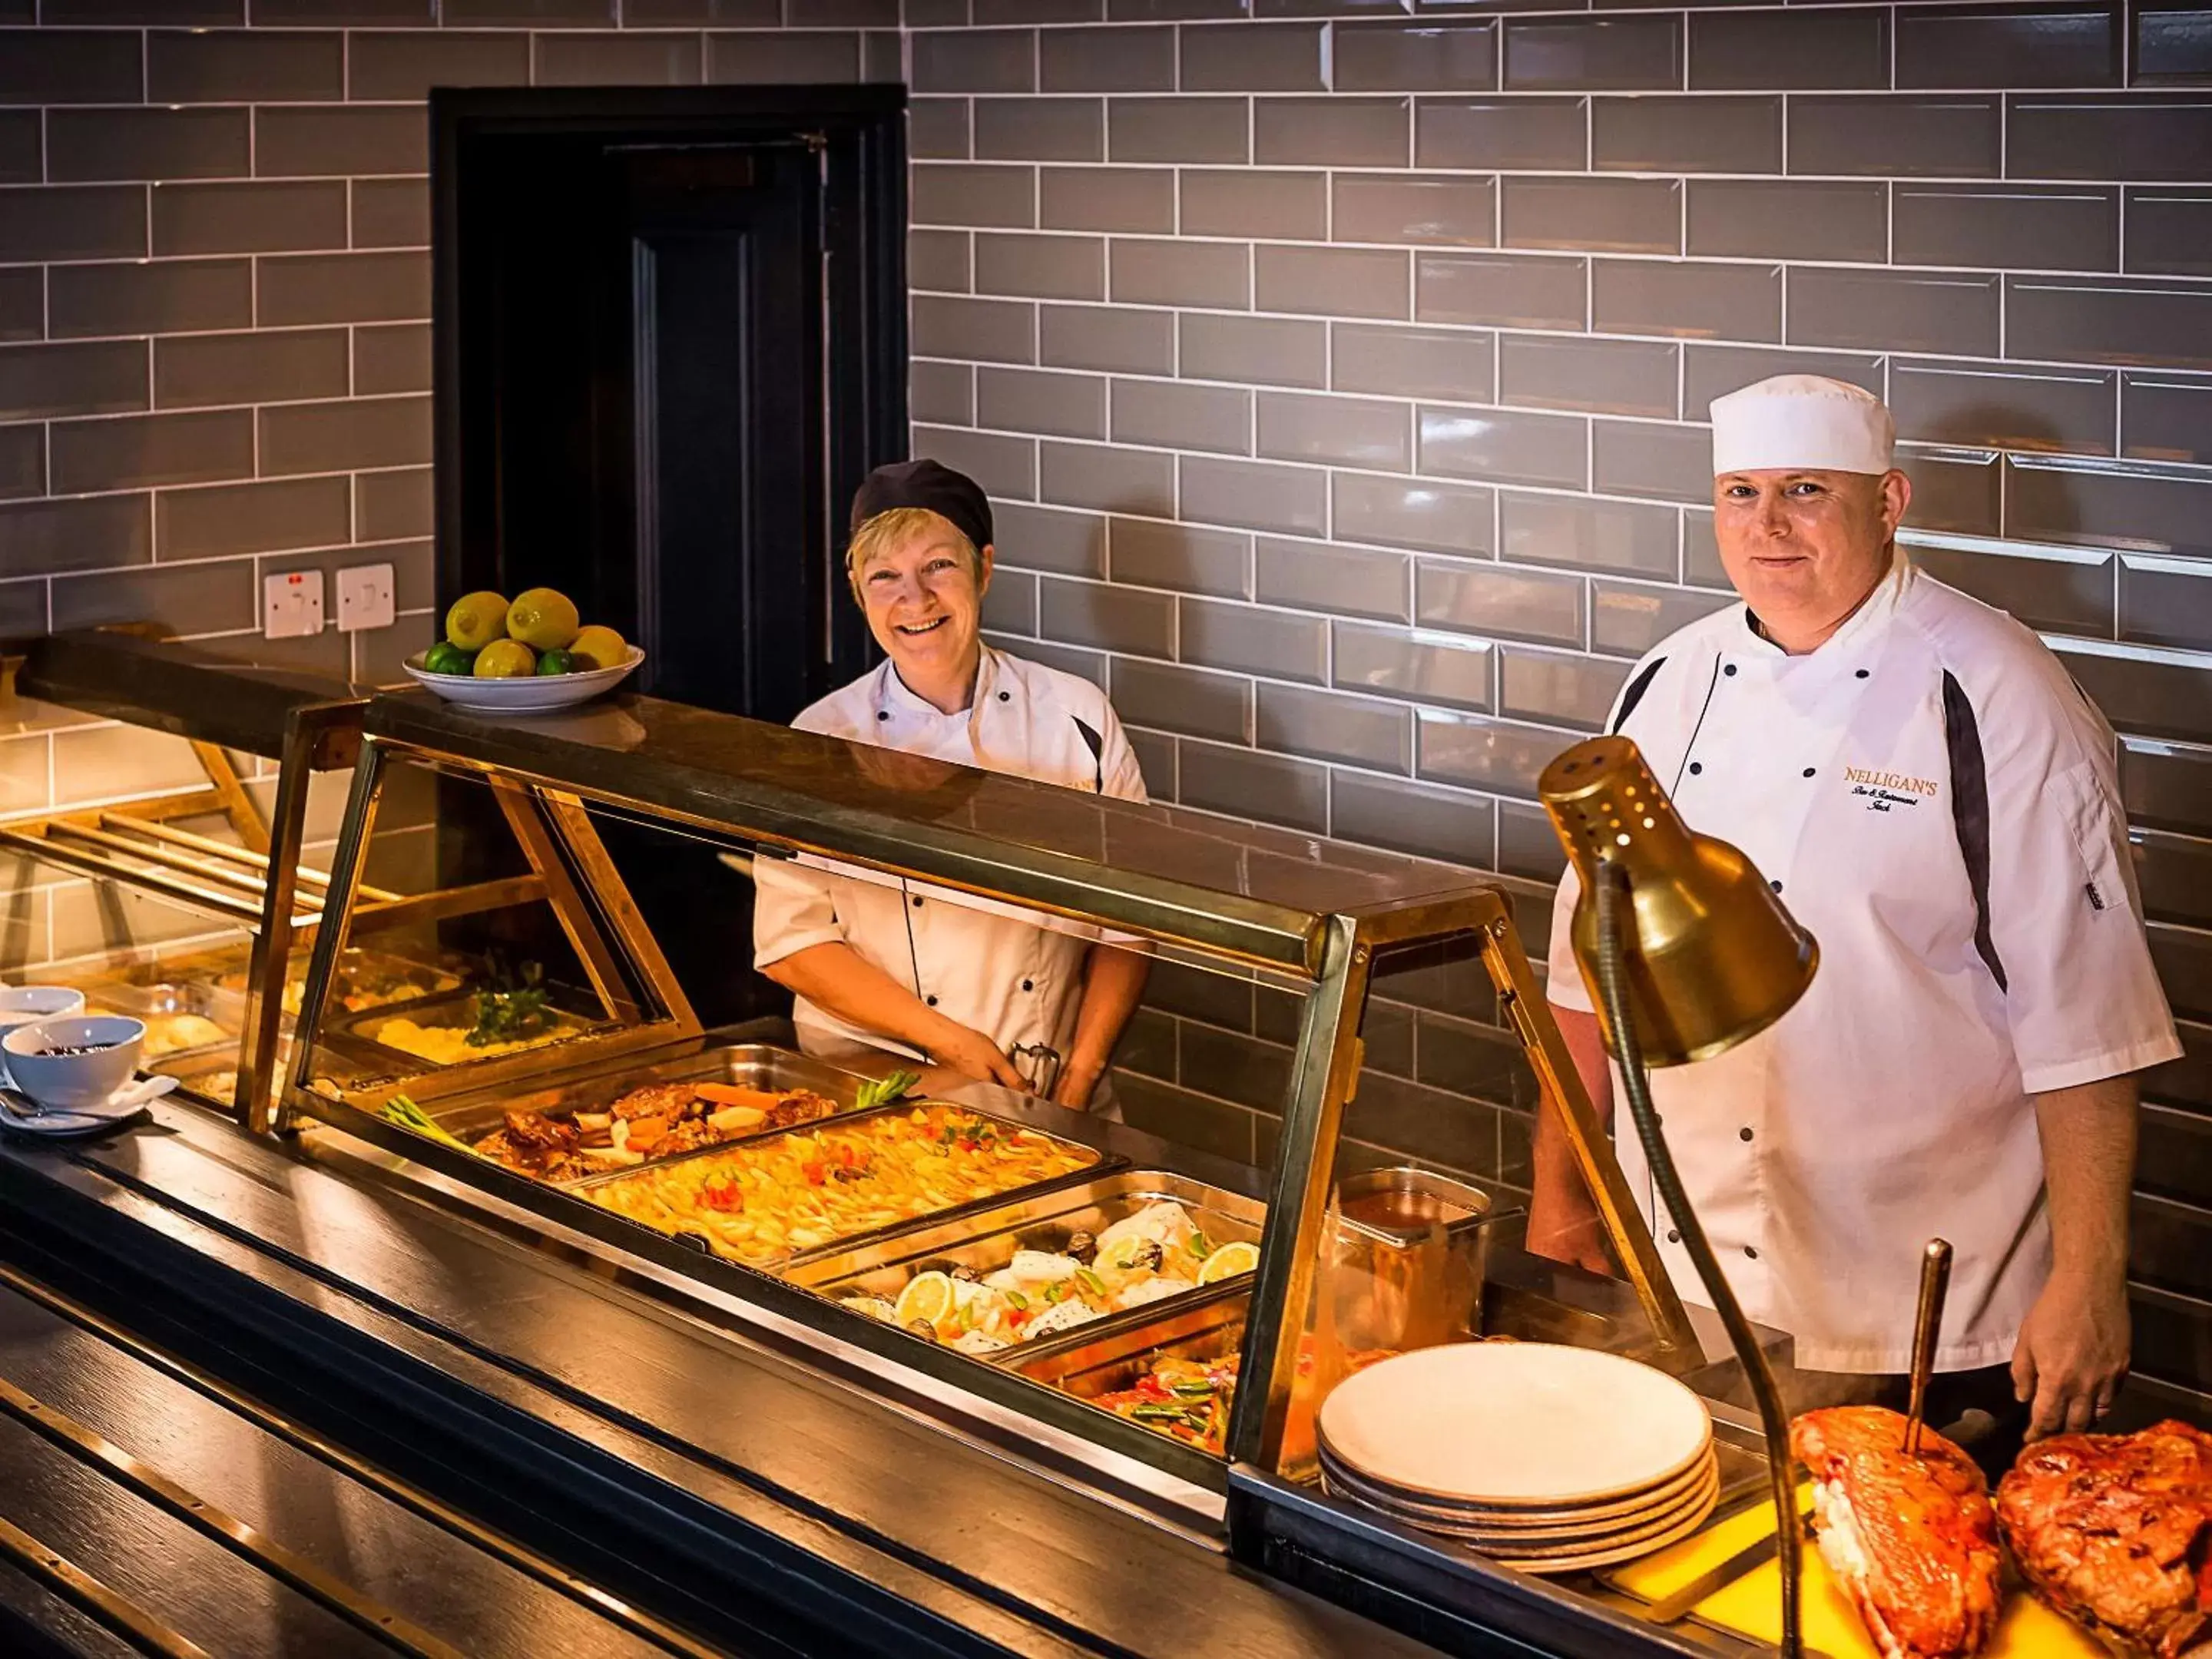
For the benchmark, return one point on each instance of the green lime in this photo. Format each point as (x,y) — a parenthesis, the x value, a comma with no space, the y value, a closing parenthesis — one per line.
(446,658)
(557,662)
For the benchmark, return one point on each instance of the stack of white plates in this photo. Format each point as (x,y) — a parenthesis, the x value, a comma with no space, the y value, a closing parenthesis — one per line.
(1551,1459)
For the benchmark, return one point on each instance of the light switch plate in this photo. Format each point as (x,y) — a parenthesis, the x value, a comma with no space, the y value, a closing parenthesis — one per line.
(291,604)
(365,598)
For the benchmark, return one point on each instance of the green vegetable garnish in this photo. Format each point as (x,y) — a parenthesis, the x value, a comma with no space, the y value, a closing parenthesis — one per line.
(889,1087)
(1053,1291)
(1018,1299)
(1161,1412)
(408,1115)
(1090,1281)
(507,1012)
(1199,1245)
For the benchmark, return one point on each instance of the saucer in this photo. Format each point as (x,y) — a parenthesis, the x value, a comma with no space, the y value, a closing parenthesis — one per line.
(71,1126)
(127,1105)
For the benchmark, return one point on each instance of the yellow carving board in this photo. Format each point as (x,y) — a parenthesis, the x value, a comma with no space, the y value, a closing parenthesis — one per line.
(1752,1605)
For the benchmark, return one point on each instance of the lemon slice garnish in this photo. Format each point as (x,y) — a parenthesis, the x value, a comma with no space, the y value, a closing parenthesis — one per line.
(1227,1261)
(927,1296)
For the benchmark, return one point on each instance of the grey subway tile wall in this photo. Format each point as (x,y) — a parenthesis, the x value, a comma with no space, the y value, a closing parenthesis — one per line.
(1340,371)
(1458,290)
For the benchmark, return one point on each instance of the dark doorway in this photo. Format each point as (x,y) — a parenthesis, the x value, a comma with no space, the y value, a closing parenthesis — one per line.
(671,340)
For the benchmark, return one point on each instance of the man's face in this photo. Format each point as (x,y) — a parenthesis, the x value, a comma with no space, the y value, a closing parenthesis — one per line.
(1804,548)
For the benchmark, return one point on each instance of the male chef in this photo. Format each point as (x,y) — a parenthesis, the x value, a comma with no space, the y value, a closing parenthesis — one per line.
(1937,802)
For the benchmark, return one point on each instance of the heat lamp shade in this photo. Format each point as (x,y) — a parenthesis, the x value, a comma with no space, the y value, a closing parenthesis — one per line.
(1716,958)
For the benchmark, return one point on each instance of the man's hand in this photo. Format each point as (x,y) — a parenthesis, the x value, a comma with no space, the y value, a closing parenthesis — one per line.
(971,1053)
(1077,1081)
(2072,1353)
(2073,1348)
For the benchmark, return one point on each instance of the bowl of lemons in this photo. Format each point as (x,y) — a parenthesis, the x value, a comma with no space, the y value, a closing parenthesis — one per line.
(525,657)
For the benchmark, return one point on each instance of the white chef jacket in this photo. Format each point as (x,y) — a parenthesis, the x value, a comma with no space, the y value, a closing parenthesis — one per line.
(991,967)
(1937,802)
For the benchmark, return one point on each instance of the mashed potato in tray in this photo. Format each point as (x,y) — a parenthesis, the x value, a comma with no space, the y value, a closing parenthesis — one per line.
(764,1203)
(449,1045)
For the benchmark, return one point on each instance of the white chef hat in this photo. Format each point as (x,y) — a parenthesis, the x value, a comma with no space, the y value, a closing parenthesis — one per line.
(1801,420)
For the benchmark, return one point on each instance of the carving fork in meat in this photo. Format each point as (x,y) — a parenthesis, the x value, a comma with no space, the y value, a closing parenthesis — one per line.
(1912,1537)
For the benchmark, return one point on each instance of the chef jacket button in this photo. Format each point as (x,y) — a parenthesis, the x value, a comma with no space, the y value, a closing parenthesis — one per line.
(1696,767)
(1026,986)
(1005,696)
(1776,886)
(1673,1235)
(930,1000)
(1751,1251)
(1729,669)
(1810,770)
(1744,1133)
(1863,672)
(917,901)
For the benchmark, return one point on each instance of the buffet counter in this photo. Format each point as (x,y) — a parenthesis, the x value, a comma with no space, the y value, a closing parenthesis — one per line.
(501,1435)
(726,1339)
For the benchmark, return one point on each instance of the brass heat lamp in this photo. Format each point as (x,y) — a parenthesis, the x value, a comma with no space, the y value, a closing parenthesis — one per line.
(1687,951)
(1716,959)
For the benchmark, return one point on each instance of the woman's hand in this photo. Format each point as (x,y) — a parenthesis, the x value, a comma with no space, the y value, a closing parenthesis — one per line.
(971,1053)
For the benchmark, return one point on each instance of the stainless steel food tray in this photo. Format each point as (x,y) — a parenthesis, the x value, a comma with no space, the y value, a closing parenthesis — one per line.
(155,1002)
(986,1240)
(1090,1362)
(354,964)
(1099,1164)
(456,1008)
(747,1065)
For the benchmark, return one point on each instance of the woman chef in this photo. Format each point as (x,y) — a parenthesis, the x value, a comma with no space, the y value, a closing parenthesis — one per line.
(879,964)
(1936,801)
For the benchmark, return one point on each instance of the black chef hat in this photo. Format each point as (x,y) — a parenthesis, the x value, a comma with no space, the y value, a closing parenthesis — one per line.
(954,495)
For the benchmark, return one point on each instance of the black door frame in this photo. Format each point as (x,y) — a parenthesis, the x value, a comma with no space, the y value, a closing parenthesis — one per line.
(865,298)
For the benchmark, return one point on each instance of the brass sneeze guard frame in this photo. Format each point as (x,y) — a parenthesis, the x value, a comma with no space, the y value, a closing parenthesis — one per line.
(1150,871)
(307,725)
(304,723)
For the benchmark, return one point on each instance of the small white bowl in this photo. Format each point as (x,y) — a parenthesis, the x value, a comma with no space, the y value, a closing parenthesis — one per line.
(19,1005)
(531,694)
(75,1082)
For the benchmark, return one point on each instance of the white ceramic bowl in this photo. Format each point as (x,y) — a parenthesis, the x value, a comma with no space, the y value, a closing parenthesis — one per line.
(74,1082)
(21,1004)
(535,695)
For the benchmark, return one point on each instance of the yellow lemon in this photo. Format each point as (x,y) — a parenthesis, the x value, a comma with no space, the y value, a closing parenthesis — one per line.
(476,620)
(928,1297)
(506,660)
(542,619)
(599,647)
(1227,1261)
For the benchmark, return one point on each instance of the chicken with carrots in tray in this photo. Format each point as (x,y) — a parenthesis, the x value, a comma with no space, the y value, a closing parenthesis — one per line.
(657,1120)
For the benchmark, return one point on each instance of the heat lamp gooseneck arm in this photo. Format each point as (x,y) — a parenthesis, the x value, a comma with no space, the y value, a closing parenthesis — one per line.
(1615,919)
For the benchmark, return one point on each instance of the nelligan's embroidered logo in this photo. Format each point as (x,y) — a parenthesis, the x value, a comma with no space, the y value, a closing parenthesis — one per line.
(1884,790)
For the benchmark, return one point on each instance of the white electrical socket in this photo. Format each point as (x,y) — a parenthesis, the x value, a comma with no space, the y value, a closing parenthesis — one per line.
(365,598)
(292,604)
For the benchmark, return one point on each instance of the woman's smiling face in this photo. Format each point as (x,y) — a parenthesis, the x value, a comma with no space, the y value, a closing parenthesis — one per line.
(923,594)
